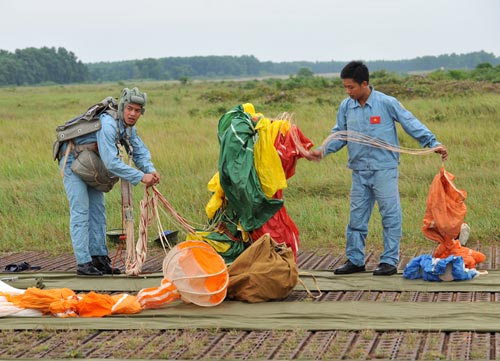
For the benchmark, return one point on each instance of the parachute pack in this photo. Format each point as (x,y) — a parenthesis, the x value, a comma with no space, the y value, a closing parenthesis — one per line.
(85,123)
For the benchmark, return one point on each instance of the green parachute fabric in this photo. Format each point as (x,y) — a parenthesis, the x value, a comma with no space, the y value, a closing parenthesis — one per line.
(238,177)
(227,233)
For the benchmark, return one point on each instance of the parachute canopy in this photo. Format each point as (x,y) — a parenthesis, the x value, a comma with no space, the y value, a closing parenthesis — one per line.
(257,156)
(198,271)
(443,219)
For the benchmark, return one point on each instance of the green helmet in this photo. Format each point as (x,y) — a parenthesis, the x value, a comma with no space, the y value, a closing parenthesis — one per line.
(133,95)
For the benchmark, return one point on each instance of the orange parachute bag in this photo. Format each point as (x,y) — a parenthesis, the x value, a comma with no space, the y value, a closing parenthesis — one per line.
(443,219)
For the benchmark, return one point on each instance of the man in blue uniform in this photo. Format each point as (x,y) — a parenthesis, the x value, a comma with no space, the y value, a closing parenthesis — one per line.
(86,203)
(374,170)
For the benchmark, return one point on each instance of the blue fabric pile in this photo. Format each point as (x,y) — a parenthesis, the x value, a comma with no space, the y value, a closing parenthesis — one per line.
(451,268)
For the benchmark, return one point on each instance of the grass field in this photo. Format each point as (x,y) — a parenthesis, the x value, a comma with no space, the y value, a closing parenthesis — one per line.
(180,126)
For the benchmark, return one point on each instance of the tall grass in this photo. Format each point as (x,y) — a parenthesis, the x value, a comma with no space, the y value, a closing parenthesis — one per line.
(180,127)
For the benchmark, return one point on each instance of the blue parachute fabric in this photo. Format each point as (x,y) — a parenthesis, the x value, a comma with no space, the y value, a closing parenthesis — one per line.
(433,269)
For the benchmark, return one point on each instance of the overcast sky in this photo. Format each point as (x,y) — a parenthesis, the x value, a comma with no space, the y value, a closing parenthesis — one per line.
(284,30)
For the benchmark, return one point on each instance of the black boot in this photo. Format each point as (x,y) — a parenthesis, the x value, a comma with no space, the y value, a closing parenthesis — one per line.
(103,264)
(88,269)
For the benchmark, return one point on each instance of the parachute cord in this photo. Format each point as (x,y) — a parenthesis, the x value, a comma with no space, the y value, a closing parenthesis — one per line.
(137,257)
(356,137)
(294,133)
(360,138)
(149,211)
(172,211)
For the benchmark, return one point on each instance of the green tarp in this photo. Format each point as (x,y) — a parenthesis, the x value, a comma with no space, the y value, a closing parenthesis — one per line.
(325,315)
(326,281)
(358,315)
(52,280)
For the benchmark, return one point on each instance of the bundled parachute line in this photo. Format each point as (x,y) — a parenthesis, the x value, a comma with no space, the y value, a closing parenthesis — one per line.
(149,212)
(357,137)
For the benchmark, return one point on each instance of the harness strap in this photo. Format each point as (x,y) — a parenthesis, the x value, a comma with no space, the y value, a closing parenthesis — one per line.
(89,146)
(69,147)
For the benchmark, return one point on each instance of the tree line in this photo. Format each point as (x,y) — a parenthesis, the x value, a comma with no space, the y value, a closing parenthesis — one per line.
(49,65)
(37,66)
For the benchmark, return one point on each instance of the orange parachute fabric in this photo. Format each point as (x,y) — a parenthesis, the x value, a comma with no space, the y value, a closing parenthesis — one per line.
(471,257)
(198,271)
(99,305)
(444,216)
(35,298)
(193,271)
(156,297)
(445,211)
(64,302)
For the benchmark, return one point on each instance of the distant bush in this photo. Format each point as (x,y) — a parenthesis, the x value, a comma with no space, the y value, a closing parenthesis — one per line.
(483,71)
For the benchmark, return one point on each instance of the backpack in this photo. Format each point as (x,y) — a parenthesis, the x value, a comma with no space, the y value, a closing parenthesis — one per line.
(85,123)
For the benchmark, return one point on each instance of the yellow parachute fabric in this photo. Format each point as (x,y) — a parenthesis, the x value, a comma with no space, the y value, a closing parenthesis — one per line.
(219,246)
(267,161)
(249,108)
(217,198)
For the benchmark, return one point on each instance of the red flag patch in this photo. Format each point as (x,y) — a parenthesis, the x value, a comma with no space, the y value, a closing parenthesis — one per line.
(375,119)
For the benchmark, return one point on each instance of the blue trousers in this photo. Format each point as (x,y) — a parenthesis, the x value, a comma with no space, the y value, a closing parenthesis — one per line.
(368,187)
(87,216)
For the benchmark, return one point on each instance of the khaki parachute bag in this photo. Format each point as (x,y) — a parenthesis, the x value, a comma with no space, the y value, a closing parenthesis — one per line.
(264,271)
(90,167)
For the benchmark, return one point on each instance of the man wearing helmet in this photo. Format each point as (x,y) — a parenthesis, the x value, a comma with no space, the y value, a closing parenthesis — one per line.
(87,206)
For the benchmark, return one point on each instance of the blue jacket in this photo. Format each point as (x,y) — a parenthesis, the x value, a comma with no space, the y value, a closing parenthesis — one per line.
(376,119)
(106,139)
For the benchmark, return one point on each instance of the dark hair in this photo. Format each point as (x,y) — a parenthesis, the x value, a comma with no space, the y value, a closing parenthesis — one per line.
(357,71)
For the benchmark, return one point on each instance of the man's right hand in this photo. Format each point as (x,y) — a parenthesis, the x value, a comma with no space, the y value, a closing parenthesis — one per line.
(150,180)
(315,155)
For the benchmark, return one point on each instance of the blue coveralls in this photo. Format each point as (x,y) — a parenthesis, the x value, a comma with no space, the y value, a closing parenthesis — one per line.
(375,170)
(86,204)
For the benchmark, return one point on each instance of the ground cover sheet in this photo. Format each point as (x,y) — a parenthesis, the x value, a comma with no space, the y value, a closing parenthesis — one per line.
(325,315)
